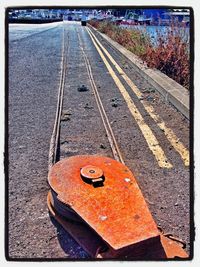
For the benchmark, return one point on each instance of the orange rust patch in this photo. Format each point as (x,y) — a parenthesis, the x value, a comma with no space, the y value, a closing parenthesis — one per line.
(116,210)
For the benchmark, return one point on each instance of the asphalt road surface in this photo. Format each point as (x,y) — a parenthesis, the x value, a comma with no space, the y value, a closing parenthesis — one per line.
(152,136)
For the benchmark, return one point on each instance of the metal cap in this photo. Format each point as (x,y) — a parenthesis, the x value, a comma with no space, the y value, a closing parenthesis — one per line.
(92,174)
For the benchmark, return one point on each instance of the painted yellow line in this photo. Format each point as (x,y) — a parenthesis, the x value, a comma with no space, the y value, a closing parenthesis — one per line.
(171,136)
(151,140)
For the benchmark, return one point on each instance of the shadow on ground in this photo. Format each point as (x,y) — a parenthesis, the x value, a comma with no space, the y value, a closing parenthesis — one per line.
(72,249)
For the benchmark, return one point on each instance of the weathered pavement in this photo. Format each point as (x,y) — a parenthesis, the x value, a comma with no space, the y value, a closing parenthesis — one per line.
(34,73)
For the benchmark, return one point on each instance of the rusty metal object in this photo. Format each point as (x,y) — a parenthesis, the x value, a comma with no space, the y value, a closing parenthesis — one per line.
(64,210)
(172,248)
(117,206)
(92,174)
(97,248)
(112,209)
(170,236)
(83,235)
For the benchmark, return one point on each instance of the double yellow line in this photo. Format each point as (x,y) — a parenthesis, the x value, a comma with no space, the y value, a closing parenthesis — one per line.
(150,138)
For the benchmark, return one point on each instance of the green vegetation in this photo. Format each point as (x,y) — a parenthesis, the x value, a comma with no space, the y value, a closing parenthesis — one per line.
(169,54)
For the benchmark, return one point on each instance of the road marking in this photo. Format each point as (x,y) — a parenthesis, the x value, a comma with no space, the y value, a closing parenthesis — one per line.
(171,136)
(150,138)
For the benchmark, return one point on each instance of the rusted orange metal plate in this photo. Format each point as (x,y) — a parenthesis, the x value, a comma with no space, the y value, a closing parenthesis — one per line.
(172,249)
(92,243)
(115,210)
(89,241)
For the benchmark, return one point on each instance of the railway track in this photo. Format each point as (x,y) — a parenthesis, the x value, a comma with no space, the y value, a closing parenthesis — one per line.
(112,140)
(53,150)
(55,141)
(84,67)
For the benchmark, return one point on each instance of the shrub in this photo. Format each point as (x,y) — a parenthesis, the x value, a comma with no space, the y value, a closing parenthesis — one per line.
(169,54)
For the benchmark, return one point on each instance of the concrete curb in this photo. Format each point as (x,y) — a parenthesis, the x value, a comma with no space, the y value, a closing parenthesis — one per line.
(173,92)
